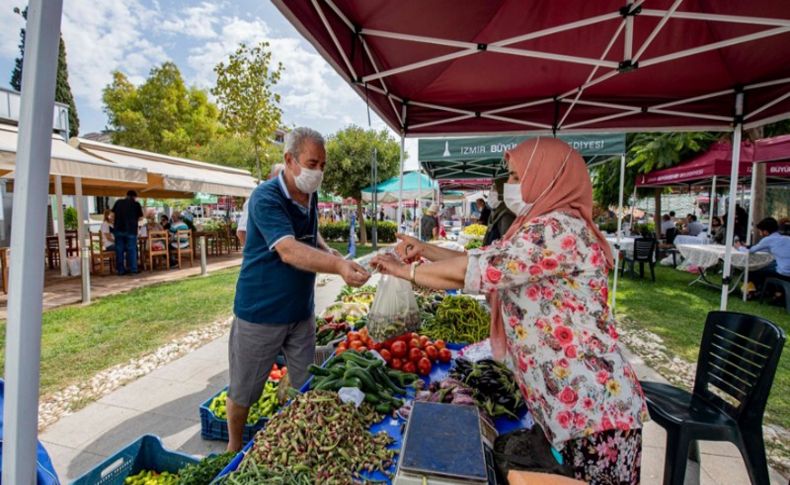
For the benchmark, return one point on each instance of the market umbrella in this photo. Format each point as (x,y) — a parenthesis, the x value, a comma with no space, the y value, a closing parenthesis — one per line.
(415,186)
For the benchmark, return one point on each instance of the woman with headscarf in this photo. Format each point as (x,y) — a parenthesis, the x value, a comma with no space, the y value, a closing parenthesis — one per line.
(502,217)
(547,282)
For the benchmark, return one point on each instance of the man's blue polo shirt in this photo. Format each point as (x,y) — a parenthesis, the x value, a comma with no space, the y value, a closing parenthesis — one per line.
(268,290)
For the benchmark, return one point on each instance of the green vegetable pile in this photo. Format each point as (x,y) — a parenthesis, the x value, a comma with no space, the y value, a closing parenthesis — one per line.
(149,477)
(316,439)
(474,244)
(459,319)
(203,472)
(367,373)
(264,407)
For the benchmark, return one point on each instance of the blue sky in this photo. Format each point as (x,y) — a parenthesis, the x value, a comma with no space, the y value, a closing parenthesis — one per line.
(135,35)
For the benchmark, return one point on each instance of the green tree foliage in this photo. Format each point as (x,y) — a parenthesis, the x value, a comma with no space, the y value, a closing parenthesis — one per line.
(162,115)
(70,218)
(237,151)
(248,105)
(646,152)
(62,87)
(349,153)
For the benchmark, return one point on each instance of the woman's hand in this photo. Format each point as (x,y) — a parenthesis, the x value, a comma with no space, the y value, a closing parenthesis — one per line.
(388,264)
(409,249)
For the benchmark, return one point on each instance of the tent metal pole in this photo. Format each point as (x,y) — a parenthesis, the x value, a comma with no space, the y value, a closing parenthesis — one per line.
(712,204)
(633,208)
(26,278)
(749,226)
(649,12)
(400,183)
(736,159)
(64,270)
(83,236)
(418,205)
(619,233)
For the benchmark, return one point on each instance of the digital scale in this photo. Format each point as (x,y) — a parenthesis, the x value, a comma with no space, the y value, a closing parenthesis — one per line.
(444,444)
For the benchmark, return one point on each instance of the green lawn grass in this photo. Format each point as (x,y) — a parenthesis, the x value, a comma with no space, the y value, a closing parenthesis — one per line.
(362,250)
(78,341)
(676,312)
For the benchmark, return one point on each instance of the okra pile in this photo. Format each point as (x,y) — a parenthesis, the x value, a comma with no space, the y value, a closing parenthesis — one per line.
(459,319)
(368,374)
(316,439)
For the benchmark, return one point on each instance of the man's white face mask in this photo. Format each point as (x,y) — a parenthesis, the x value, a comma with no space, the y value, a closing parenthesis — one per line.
(309,180)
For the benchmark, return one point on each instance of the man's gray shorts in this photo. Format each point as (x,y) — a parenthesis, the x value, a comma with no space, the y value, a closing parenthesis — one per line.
(253,348)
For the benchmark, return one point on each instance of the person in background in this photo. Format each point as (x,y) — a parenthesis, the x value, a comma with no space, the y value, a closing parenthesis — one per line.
(673,217)
(777,246)
(274,309)
(429,225)
(176,242)
(241,227)
(164,222)
(381,215)
(547,282)
(784,226)
(693,226)
(717,232)
(485,212)
(127,213)
(667,223)
(741,221)
(501,218)
(107,238)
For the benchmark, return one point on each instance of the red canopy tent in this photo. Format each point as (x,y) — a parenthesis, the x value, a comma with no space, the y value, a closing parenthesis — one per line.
(465,184)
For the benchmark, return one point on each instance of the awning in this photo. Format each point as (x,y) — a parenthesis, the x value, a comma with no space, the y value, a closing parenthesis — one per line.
(99,177)
(519,66)
(415,186)
(717,162)
(173,174)
(482,157)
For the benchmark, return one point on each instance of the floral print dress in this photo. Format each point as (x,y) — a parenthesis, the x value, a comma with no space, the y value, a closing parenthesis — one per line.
(552,282)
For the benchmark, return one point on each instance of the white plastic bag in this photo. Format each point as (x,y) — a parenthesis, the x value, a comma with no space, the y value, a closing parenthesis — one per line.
(351,394)
(394,311)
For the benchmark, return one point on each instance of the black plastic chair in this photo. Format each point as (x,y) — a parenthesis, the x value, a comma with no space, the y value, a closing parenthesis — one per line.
(670,235)
(737,363)
(644,252)
(780,284)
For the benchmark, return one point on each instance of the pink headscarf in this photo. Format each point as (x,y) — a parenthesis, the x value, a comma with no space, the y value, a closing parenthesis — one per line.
(553,177)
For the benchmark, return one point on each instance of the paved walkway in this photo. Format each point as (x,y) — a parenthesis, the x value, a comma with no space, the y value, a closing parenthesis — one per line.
(60,291)
(165,403)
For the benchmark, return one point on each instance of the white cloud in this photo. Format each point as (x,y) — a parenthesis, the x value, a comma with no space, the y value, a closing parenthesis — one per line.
(9,33)
(105,36)
(197,22)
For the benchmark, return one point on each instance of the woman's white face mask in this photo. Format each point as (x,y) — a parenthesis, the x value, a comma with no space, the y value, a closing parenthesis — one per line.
(512,192)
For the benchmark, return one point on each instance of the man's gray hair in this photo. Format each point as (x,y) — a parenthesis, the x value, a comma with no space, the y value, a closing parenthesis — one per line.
(295,139)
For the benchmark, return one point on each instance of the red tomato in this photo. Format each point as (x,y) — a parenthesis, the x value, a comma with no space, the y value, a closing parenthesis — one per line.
(415,355)
(275,375)
(424,366)
(424,341)
(414,343)
(398,349)
(386,355)
(445,355)
(274,367)
(356,345)
(362,349)
(284,370)
(353,336)
(410,368)
(396,364)
(339,350)
(404,338)
(432,352)
(439,344)
(375,346)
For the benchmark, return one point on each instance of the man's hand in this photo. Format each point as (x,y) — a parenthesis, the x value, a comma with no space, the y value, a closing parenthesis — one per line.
(409,248)
(353,274)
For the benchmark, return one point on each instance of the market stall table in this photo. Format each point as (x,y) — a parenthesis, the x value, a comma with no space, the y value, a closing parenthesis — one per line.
(626,245)
(684,239)
(701,257)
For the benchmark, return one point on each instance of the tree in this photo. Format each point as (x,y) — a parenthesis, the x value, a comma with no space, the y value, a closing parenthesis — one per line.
(244,92)
(62,87)
(162,115)
(237,151)
(349,153)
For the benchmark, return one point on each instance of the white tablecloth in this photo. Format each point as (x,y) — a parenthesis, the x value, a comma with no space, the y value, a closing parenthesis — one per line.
(707,255)
(626,244)
(691,240)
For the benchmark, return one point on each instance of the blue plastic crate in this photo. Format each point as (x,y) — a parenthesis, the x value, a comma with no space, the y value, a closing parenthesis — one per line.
(146,453)
(214,428)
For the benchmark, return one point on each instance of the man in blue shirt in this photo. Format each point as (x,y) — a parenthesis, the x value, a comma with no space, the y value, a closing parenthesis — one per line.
(274,308)
(775,243)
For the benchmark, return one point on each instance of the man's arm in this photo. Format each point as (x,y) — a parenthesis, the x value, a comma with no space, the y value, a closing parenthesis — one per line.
(306,258)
